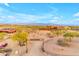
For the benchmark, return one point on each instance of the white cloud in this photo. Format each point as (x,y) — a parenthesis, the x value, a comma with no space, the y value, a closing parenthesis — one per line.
(9,16)
(30,17)
(56,17)
(76,14)
(65,22)
(6,4)
(54,21)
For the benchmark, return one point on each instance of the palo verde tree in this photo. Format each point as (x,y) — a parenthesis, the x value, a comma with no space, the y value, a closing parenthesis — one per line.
(21,37)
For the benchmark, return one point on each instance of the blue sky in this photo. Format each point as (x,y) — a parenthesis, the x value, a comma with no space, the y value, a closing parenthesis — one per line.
(55,13)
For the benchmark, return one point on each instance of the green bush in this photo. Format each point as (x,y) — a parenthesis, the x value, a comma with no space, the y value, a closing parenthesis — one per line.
(21,37)
(70,35)
(2,36)
(58,32)
(62,43)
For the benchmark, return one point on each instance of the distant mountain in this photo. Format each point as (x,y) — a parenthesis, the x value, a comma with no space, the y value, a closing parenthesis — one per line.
(41,24)
(46,24)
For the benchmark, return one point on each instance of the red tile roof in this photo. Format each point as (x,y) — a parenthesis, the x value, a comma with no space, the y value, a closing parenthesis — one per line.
(8,30)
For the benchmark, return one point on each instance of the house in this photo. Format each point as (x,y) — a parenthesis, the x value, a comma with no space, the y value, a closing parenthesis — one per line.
(8,30)
(53,28)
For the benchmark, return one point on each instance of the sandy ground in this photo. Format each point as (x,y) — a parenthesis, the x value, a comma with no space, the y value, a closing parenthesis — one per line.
(55,49)
(34,47)
(16,50)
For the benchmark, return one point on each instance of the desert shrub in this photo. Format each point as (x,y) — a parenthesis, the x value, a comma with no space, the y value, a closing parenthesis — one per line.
(67,28)
(69,35)
(1,50)
(58,32)
(2,36)
(62,43)
(21,37)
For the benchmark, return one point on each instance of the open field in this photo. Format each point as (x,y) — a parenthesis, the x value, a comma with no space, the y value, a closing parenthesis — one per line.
(28,40)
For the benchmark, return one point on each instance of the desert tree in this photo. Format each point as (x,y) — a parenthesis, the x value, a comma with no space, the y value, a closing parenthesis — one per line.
(21,37)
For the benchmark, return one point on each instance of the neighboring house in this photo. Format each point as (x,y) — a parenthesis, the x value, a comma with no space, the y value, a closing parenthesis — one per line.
(8,30)
(53,28)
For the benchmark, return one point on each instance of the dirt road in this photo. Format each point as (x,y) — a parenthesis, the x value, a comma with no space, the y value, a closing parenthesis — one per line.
(34,49)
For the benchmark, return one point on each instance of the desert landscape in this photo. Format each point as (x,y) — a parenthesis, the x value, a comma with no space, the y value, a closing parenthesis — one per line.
(28,40)
(39,29)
